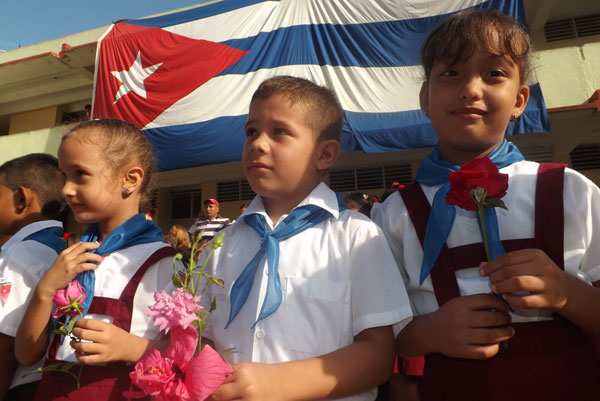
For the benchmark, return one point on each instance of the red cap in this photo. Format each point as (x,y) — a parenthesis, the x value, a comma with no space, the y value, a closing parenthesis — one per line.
(213,201)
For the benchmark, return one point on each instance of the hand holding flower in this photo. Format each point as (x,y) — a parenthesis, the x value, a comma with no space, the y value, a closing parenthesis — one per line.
(471,326)
(72,261)
(104,342)
(530,271)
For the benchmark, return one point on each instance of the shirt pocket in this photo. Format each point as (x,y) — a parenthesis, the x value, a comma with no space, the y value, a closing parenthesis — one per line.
(317,318)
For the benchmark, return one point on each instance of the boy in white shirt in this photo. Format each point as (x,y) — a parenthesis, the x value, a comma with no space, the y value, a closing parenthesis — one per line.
(312,298)
(30,199)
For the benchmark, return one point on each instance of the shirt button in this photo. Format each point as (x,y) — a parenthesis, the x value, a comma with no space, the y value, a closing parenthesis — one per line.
(260,334)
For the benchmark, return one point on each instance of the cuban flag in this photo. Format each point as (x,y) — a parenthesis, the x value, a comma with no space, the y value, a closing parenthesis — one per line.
(187,78)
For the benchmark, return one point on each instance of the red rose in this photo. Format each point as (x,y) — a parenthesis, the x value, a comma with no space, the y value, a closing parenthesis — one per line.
(478,173)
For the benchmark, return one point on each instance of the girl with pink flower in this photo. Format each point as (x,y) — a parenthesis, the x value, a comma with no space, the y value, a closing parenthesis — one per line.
(112,273)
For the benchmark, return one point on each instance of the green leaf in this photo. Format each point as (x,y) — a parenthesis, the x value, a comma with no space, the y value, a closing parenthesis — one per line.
(230,351)
(495,202)
(67,366)
(71,325)
(52,368)
(176,279)
(60,331)
(217,242)
(213,305)
(33,372)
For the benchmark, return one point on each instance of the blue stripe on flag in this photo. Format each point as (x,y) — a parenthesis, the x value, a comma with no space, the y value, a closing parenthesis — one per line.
(222,139)
(209,10)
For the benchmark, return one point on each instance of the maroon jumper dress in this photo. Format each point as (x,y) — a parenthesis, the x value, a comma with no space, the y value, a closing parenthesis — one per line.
(109,381)
(547,360)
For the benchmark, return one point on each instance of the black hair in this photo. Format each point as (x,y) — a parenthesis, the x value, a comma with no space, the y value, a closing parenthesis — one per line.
(40,173)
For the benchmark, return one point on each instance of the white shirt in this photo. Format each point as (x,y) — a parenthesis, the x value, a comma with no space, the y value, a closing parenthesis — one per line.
(23,263)
(338,278)
(114,273)
(581,234)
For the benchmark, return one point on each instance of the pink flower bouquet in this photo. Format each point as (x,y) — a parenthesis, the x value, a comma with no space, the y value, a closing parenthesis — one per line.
(186,370)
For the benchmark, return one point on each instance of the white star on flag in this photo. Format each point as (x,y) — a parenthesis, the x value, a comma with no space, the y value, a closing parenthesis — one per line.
(132,80)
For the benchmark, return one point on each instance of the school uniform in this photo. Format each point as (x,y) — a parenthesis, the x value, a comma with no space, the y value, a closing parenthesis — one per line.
(23,261)
(337,278)
(124,288)
(564,223)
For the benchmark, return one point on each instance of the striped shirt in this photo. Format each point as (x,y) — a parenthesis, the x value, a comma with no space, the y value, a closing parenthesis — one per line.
(210,227)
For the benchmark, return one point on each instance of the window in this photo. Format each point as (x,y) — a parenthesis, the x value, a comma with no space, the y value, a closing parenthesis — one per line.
(586,157)
(575,27)
(229,191)
(186,204)
(369,177)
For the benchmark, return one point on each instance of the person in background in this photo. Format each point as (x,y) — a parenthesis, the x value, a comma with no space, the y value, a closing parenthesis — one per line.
(360,202)
(243,207)
(212,222)
(179,238)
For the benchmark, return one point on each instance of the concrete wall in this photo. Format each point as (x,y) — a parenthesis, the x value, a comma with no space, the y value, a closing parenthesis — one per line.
(36,119)
(568,70)
(39,141)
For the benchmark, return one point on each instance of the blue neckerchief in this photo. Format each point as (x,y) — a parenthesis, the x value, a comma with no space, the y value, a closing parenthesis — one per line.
(137,230)
(434,171)
(51,237)
(300,219)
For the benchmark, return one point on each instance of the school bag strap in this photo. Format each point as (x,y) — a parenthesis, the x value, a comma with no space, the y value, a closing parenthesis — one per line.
(549,222)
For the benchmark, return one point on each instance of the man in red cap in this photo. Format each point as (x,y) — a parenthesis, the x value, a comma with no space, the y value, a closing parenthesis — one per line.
(212,224)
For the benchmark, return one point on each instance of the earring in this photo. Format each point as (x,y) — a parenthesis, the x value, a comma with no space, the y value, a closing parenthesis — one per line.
(514,117)
(126,190)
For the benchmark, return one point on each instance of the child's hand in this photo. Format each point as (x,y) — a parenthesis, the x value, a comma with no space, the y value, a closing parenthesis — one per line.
(108,343)
(68,265)
(249,381)
(472,326)
(529,270)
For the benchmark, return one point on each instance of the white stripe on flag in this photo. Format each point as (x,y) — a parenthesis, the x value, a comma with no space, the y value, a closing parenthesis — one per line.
(371,90)
(268,16)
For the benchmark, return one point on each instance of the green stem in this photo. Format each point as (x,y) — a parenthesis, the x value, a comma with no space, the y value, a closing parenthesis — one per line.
(202,270)
(484,233)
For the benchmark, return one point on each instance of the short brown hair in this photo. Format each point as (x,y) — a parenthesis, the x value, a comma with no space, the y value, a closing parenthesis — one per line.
(460,35)
(40,173)
(179,236)
(123,145)
(323,112)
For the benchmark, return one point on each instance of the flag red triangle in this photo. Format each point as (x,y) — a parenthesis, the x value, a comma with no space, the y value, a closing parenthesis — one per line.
(185,64)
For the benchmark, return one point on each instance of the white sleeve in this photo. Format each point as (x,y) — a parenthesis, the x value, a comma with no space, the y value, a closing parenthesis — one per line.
(582,224)
(23,268)
(378,294)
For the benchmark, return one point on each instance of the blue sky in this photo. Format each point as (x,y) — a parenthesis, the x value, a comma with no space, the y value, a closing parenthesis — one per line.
(25,22)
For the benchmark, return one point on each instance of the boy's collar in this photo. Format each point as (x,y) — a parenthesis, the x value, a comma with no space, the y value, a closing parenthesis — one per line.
(321,196)
(28,230)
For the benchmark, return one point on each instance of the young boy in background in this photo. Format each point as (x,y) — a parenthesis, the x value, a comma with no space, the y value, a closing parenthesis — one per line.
(30,199)
(312,298)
